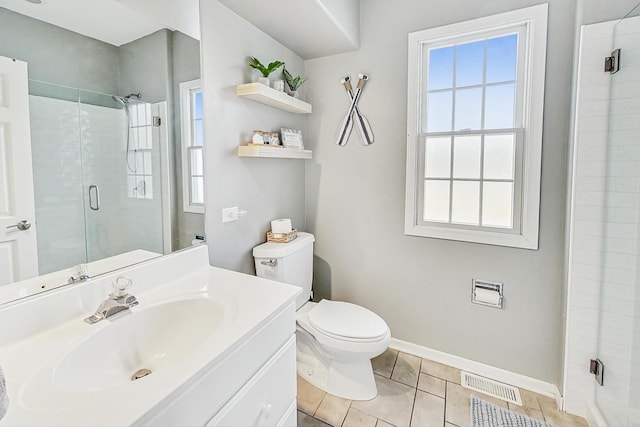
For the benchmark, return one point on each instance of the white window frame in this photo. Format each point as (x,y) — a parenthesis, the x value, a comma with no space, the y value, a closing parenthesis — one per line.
(534,20)
(140,122)
(186,89)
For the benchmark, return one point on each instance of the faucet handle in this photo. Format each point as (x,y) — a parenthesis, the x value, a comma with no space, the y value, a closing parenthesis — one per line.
(79,273)
(120,286)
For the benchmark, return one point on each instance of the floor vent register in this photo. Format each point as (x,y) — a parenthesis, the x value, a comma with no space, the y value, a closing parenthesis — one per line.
(491,388)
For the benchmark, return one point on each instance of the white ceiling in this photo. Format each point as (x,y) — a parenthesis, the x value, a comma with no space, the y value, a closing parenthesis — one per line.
(310,28)
(114,21)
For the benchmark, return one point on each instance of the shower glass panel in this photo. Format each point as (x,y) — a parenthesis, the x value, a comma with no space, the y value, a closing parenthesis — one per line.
(57,176)
(89,203)
(619,331)
(123,210)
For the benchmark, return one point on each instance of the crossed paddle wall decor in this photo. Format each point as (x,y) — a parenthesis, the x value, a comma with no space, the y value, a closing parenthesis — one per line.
(354,115)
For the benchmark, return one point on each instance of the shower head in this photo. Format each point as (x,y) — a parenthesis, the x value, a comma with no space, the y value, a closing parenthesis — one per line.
(124,100)
(119,99)
(138,96)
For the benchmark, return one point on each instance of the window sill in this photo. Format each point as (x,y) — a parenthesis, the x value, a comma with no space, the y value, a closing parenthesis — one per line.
(473,236)
(194,209)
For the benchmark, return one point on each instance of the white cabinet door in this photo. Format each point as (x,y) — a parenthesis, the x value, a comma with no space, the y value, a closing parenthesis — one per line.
(18,248)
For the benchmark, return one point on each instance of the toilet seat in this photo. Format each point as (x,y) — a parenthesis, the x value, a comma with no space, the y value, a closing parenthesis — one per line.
(346,321)
(337,364)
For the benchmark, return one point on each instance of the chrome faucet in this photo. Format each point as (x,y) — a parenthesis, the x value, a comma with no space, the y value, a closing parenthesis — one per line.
(79,273)
(119,300)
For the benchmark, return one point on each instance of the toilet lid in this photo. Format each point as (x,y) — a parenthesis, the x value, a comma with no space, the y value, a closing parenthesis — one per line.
(347,320)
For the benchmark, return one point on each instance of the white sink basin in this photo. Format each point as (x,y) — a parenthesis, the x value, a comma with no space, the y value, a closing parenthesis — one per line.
(151,339)
(193,320)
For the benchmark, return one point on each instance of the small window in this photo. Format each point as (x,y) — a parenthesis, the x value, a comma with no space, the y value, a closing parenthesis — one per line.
(475,129)
(192,146)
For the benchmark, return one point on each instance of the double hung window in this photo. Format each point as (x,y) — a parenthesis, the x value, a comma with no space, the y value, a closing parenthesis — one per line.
(192,146)
(475,129)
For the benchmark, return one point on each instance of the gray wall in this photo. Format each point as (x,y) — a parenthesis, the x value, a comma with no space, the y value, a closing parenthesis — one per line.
(355,204)
(186,67)
(266,188)
(155,65)
(599,11)
(59,56)
(146,66)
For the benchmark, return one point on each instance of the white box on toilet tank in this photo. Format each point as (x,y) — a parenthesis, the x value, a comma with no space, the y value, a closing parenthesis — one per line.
(290,263)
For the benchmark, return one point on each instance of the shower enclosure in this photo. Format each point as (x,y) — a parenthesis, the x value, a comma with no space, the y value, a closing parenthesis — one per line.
(98,163)
(618,399)
(603,269)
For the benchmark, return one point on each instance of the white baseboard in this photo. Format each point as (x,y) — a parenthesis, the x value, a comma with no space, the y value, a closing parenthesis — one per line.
(507,377)
(594,417)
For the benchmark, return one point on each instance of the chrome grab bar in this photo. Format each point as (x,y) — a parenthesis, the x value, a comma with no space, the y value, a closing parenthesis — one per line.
(94,204)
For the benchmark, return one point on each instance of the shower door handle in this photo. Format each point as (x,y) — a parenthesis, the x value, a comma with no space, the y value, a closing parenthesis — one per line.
(94,198)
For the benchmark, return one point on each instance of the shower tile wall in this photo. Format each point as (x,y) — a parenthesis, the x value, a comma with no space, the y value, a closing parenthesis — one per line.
(103,151)
(602,317)
(619,334)
(57,170)
(588,217)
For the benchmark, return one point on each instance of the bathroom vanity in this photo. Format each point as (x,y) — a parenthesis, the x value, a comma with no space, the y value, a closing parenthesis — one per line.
(220,347)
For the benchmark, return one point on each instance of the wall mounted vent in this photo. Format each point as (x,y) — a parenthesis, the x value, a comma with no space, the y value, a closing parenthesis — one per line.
(491,388)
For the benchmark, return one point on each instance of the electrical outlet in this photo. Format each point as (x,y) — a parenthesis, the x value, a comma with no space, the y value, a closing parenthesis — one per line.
(230,214)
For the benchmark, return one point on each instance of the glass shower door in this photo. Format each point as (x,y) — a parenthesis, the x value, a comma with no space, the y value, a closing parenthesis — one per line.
(618,399)
(97,193)
(57,176)
(122,179)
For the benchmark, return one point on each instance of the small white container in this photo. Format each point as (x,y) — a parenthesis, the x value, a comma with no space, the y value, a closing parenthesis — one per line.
(258,137)
(278,85)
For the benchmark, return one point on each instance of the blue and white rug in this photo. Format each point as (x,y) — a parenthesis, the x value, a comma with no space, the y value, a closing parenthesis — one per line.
(485,414)
(4,400)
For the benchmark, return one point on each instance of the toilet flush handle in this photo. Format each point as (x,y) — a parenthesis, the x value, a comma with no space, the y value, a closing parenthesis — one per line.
(270,263)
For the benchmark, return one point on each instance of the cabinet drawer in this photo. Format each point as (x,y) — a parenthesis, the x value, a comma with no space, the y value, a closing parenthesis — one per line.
(290,418)
(266,398)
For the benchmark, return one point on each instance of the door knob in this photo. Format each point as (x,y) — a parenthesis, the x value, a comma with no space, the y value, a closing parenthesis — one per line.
(21,225)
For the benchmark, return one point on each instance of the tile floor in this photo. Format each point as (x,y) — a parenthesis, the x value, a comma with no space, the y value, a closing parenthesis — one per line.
(414,392)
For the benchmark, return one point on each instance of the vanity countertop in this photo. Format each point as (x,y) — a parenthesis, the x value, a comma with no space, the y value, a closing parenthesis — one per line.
(32,365)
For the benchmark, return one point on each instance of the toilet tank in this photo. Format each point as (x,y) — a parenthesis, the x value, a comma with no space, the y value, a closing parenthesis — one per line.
(290,263)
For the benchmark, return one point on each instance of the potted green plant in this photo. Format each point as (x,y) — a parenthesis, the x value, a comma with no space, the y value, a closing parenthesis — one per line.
(265,71)
(294,83)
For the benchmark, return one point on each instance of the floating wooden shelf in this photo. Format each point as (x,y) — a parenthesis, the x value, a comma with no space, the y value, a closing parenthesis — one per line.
(273,152)
(268,96)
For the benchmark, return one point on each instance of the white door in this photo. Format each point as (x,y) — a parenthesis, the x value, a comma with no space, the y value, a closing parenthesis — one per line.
(18,246)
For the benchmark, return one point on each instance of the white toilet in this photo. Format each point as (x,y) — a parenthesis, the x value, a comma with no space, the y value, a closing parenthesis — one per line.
(335,340)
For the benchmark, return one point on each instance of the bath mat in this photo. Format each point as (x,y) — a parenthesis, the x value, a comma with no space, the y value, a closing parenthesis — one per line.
(4,400)
(485,414)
